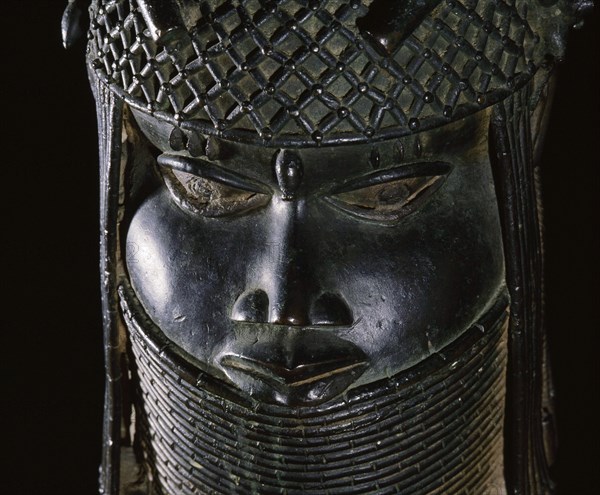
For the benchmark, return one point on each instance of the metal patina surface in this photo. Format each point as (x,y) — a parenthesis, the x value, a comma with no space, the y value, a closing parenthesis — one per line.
(321,253)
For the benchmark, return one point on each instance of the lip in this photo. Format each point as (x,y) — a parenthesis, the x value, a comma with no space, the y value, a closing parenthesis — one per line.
(302,374)
(308,367)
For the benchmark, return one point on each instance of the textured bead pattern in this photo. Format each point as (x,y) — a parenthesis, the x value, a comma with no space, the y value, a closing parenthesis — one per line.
(294,72)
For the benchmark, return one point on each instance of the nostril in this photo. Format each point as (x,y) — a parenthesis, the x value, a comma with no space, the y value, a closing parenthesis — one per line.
(330,309)
(252,306)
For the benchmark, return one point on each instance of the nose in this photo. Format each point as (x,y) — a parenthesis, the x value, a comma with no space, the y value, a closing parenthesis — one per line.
(285,292)
(327,309)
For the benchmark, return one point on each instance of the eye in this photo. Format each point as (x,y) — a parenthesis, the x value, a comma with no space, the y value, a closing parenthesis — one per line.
(210,198)
(391,195)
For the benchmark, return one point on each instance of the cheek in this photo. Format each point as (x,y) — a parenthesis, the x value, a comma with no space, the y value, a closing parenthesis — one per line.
(421,283)
(430,251)
(179,268)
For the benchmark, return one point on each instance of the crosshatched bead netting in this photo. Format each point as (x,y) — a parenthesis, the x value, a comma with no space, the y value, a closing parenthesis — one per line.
(300,71)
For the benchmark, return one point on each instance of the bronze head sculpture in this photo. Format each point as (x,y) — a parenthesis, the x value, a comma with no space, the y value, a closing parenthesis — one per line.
(321,253)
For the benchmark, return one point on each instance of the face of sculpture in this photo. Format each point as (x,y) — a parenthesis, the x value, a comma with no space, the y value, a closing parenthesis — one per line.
(298,274)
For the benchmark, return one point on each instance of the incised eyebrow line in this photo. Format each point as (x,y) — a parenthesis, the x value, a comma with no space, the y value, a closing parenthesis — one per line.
(410,171)
(202,168)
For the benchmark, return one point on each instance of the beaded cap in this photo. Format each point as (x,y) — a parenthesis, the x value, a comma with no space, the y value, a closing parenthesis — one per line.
(302,73)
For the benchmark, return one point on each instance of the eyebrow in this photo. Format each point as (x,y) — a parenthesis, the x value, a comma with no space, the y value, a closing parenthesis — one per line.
(207,170)
(409,171)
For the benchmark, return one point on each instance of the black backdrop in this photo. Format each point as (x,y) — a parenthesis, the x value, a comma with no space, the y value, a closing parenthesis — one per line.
(51,344)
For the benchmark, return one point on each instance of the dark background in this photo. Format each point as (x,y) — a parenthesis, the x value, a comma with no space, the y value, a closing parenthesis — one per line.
(51,352)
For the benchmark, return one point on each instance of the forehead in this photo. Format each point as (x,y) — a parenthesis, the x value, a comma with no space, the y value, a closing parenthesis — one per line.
(454,142)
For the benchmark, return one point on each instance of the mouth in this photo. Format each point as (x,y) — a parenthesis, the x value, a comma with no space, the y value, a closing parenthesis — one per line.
(303,374)
(296,370)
